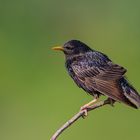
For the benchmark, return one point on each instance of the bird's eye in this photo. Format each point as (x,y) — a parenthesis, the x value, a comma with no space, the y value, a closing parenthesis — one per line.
(69,48)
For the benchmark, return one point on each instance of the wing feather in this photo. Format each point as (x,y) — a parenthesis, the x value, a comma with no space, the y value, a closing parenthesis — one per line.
(103,79)
(94,71)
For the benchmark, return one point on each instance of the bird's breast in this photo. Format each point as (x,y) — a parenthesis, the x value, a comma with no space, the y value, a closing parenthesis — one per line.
(79,80)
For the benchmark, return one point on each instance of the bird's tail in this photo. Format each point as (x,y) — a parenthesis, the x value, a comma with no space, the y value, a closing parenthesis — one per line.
(130,93)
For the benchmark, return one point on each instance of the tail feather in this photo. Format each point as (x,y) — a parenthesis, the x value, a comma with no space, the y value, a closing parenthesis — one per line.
(130,93)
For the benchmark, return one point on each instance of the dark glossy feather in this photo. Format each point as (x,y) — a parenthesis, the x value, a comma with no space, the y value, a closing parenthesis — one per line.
(96,73)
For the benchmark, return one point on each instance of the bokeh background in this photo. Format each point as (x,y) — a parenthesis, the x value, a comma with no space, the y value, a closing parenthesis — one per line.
(36,94)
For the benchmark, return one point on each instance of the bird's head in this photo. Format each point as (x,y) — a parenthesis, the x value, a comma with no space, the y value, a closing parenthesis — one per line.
(73,47)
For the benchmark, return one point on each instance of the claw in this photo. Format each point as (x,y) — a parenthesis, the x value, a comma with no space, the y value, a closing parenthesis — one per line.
(85,113)
(84,108)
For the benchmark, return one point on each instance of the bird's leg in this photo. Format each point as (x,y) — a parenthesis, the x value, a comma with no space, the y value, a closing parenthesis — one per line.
(87,106)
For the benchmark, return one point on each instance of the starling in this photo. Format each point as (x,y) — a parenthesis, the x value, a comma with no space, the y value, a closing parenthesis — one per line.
(96,74)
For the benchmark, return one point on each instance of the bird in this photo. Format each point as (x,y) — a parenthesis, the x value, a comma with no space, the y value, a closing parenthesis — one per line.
(98,75)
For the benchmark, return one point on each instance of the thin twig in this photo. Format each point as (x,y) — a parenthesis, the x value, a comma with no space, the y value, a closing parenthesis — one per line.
(76,117)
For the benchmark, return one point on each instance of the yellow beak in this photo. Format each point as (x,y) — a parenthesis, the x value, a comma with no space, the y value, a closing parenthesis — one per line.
(59,48)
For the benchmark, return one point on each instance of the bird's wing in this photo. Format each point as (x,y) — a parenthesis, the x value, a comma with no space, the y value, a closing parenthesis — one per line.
(104,79)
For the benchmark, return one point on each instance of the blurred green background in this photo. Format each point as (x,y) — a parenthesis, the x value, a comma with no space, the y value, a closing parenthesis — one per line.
(36,94)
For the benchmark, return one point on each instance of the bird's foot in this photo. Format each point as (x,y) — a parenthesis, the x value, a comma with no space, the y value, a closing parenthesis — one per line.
(86,106)
(84,109)
(112,102)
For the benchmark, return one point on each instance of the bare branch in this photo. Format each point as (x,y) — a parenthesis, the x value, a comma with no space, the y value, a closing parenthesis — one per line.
(76,117)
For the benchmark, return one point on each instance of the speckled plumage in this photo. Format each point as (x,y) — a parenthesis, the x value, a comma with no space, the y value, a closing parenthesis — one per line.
(94,72)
